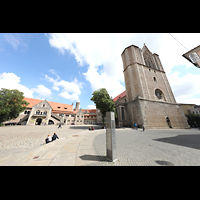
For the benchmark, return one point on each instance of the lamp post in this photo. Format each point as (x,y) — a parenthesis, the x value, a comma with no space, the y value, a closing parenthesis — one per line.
(193,56)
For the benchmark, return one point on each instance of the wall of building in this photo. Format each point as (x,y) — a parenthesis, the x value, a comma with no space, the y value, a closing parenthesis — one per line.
(143,73)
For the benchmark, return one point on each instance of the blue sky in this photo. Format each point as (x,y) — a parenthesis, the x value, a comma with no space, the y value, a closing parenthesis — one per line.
(67,68)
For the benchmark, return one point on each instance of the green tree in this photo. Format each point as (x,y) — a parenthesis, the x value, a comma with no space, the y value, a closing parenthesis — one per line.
(193,119)
(11,104)
(103,102)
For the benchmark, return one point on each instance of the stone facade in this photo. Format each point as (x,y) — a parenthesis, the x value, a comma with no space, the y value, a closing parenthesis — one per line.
(149,99)
(42,112)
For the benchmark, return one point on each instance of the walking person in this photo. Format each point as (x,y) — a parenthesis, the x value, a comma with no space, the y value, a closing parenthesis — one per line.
(143,127)
(136,126)
(59,126)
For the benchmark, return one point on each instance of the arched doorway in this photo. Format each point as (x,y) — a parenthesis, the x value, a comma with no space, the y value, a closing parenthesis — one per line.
(38,121)
(50,122)
(168,122)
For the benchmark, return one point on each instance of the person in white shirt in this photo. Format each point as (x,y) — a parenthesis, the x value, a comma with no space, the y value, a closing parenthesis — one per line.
(48,139)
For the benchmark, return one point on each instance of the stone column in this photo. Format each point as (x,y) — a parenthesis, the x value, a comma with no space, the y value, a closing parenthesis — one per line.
(111,148)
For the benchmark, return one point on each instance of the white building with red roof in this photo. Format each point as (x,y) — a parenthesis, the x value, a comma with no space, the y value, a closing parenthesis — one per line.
(43,112)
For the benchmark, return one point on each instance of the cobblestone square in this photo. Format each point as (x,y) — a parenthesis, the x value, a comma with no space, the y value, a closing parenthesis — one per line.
(172,147)
(24,145)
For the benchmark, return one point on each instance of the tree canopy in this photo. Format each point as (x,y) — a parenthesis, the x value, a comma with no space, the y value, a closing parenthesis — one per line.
(193,120)
(11,104)
(103,102)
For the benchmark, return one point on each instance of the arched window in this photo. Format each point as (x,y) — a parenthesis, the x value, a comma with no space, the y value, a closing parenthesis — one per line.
(37,112)
(148,58)
(154,78)
(45,112)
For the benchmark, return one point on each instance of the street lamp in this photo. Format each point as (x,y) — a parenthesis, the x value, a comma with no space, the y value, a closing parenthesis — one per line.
(193,56)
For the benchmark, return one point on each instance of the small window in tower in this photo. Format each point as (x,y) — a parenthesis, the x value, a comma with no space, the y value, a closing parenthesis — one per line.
(154,78)
(58,107)
(149,70)
(66,108)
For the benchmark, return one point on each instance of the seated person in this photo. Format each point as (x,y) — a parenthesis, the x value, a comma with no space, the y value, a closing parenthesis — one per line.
(48,139)
(54,137)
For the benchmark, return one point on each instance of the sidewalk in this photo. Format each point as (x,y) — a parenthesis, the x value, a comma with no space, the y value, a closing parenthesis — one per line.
(70,151)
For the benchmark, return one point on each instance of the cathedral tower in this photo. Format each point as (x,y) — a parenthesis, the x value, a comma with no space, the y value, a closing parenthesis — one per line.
(150,100)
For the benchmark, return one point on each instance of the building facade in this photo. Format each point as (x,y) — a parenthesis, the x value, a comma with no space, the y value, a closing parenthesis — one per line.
(148,99)
(42,112)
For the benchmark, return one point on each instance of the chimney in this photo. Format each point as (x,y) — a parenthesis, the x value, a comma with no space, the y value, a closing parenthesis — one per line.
(77,105)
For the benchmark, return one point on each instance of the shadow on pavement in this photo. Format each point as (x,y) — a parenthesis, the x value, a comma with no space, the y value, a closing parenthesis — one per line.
(191,141)
(86,127)
(94,158)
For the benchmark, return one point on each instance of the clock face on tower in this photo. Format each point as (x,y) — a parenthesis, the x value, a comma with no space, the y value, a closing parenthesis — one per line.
(158,93)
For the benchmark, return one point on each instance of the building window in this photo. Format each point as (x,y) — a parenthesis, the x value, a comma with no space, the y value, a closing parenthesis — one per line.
(58,107)
(43,105)
(159,94)
(78,116)
(122,110)
(77,120)
(45,112)
(25,112)
(154,78)
(37,112)
(66,108)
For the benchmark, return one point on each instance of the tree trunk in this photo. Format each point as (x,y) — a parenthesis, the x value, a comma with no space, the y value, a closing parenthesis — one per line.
(103,120)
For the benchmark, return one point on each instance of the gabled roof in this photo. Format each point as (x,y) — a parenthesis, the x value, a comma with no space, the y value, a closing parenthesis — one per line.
(123,94)
(32,102)
(89,110)
(55,106)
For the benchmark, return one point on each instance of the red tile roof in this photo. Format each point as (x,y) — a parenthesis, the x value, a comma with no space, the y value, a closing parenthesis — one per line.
(55,106)
(89,110)
(123,94)
(59,107)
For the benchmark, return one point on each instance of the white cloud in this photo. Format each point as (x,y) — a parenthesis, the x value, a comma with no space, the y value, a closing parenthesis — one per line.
(43,91)
(14,39)
(91,107)
(70,90)
(186,89)
(105,50)
(55,88)
(71,97)
(12,81)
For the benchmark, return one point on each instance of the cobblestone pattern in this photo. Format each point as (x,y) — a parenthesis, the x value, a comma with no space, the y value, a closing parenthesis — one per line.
(138,148)
(20,137)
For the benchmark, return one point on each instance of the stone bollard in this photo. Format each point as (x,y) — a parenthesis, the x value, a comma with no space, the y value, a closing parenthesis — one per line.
(111,148)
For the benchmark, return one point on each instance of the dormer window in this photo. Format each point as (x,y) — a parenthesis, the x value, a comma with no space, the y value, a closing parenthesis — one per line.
(43,105)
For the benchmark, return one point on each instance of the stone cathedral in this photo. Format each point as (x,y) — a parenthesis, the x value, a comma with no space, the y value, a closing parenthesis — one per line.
(148,98)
